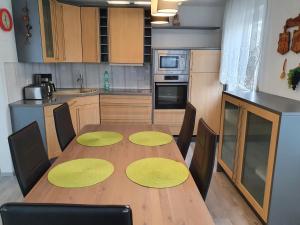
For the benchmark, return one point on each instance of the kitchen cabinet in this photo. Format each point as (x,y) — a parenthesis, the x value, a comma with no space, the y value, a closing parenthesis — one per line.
(126,109)
(53,147)
(257,151)
(60,32)
(84,110)
(126,35)
(72,33)
(172,118)
(205,90)
(90,34)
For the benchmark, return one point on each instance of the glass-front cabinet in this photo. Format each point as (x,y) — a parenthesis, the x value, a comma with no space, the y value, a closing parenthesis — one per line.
(247,150)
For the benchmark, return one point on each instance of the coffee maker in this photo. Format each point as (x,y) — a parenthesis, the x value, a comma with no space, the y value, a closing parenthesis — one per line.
(44,80)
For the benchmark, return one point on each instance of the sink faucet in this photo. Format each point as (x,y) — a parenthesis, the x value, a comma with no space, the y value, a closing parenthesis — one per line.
(80,79)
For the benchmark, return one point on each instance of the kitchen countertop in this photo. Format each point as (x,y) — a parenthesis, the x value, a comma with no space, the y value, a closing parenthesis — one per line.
(60,99)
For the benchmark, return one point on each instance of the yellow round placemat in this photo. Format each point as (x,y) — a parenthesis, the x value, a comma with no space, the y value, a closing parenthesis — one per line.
(80,173)
(99,138)
(157,172)
(150,138)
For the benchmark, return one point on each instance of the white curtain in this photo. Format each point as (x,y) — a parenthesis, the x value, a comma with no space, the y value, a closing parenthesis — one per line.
(241,44)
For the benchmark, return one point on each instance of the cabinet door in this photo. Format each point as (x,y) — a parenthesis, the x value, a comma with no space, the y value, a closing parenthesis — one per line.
(47,22)
(257,152)
(90,34)
(52,141)
(229,135)
(206,96)
(88,114)
(72,33)
(205,61)
(126,35)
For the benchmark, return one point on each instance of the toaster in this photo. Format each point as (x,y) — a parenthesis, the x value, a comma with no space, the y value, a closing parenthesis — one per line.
(33,92)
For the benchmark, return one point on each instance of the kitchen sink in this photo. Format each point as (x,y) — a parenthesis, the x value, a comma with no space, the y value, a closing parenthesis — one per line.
(75,91)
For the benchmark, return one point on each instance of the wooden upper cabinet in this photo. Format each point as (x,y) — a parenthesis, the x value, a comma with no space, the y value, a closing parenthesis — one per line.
(90,34)
(72,33)
(205,61)
(126,35)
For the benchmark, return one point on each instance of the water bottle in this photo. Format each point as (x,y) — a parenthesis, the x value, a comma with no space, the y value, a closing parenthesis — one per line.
(106,81)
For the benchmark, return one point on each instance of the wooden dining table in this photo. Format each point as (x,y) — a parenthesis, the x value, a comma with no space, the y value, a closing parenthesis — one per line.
(180,205)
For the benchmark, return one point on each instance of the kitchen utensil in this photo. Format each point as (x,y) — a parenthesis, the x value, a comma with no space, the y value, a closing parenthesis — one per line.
(283,73)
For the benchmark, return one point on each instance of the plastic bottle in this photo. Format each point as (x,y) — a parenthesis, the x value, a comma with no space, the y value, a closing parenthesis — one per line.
(106,81)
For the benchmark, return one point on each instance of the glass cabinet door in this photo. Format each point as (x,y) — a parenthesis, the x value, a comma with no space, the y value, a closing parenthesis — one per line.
(256,153)
(256,157)
(229,137)
(47,35)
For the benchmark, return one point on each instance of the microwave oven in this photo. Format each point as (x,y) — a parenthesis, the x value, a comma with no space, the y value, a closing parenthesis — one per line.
(171,62)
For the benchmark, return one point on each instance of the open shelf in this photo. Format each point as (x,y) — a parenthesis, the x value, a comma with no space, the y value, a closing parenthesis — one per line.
(186,28)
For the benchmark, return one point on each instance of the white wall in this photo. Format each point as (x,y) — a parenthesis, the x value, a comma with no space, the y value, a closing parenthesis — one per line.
(192,15)
(7,54)
(278,12)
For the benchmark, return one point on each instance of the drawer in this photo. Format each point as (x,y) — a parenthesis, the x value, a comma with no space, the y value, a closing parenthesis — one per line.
(126,100)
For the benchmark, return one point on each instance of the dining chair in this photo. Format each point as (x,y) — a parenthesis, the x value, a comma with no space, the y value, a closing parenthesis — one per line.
(29,156)
(63,214)
(63,124)
(202,164)
(187,129)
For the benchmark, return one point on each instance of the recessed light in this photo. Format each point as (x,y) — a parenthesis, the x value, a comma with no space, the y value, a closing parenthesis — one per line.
(159,20)
(142,3)
(118,2)
(163,14)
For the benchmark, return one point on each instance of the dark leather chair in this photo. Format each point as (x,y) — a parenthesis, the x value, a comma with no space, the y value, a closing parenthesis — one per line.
(63,125)
(29,156)
(187,129)
(58,214)
(202,164)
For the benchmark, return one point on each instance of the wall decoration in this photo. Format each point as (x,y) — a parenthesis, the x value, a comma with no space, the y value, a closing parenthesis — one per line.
(294,77)
(283,73)
(296,41)
(6,21)
(285,37)
(26,20)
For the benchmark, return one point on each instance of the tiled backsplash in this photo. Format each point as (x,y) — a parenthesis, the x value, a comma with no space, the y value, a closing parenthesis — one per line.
(65,75)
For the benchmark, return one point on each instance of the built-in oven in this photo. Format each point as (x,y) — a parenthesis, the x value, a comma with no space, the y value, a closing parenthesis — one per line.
(171,62)
(171,91)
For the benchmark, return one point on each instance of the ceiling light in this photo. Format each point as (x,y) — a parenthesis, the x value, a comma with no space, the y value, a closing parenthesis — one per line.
(163,14)
(142,3)
(159,20)
(118,2)
(163,8)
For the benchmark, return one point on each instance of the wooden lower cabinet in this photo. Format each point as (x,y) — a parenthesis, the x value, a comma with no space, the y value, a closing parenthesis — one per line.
(169,117)
(53,147)
(83,110)
(126,109)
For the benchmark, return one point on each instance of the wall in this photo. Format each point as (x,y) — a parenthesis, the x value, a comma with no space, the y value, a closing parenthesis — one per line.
(7,54)
(192,15)
(65,75)
(278,12)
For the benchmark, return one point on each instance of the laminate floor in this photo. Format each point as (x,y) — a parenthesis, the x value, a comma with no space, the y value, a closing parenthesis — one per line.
(225,204)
